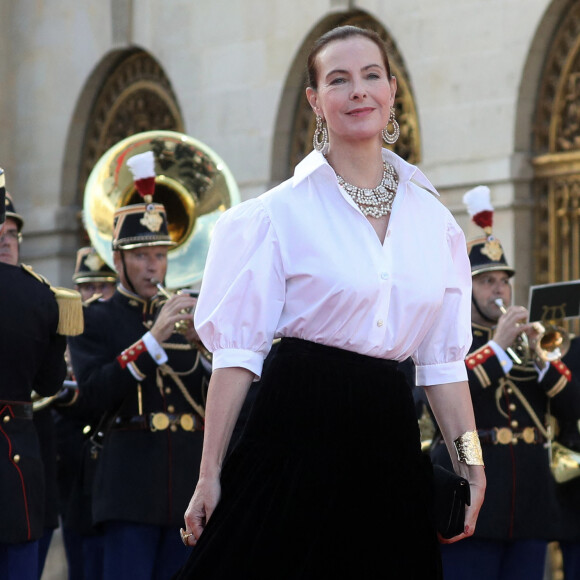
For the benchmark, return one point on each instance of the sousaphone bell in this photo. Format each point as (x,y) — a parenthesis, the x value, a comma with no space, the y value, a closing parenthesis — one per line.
(192,182)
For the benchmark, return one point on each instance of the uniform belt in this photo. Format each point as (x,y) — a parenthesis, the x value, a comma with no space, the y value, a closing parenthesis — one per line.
(18,409)
(505,436)
(160,422)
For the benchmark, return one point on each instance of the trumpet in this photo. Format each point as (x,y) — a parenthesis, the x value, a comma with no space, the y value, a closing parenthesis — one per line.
(520,352)
(552,344)
(181,326)
(68,392)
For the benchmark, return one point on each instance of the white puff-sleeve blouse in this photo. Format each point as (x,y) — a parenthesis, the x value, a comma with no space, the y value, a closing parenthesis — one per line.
(303,261)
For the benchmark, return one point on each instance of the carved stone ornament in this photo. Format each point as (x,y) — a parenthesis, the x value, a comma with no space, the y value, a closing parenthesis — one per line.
(136,96)
(557,161)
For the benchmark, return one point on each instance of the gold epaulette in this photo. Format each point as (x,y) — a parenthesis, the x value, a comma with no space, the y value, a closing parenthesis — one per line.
(71,321)
(70,307)
(28,269)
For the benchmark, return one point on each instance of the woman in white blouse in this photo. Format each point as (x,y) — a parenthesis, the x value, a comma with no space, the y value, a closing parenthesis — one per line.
(328,480)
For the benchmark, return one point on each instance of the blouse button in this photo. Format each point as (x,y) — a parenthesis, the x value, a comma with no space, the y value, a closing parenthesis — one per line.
(379,322)
(385,275)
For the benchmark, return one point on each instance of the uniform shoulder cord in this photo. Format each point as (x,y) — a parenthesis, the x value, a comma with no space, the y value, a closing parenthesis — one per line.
(547,433)
(166,370)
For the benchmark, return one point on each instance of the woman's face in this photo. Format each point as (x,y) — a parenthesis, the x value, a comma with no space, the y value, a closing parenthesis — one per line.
(354,93)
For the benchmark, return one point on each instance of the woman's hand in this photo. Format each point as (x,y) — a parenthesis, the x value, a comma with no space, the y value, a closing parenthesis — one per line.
(203,503)
(475,474)
(227,391)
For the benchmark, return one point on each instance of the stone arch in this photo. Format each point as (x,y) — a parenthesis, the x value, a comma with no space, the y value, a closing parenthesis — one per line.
(295,123)
(127,93)
(556,151)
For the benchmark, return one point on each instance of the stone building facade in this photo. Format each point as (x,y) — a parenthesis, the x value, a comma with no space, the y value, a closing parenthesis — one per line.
(489,93)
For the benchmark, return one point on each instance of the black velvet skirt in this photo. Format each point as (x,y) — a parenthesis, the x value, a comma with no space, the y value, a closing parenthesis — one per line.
(327,479)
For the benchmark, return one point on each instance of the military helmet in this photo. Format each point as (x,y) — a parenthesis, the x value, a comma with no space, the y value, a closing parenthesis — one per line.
(141,224)
(90,267)
(485,252)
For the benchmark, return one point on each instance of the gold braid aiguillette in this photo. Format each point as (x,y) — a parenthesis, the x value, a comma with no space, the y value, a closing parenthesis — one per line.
(468,448)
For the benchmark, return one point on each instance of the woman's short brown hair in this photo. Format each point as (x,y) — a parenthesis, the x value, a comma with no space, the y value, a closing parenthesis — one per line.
(342,33)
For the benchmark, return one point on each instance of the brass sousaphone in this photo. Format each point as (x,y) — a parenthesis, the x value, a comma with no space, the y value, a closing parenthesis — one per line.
(192,182)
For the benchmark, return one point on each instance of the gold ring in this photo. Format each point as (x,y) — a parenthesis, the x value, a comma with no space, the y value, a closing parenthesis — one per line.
(185,536)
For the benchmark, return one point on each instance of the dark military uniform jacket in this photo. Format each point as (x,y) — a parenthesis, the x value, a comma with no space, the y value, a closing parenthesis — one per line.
(520,499)
(149,462)
(31,358)
(569,435)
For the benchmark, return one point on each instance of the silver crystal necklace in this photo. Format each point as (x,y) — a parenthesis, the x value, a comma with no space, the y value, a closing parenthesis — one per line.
(378,201)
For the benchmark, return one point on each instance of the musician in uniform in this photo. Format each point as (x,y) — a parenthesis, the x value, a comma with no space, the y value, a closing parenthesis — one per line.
(510,400)
(35,319)
(149,382)
(569,492)
(93,276)
(94,280)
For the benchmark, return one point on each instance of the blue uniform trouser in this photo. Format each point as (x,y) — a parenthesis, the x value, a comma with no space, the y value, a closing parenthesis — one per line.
(43,546)
(494,560)
(19,561)
(84,555)
(142,551)
(571,560)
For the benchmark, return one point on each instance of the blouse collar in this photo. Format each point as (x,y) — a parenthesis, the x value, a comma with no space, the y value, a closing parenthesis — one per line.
(316,161)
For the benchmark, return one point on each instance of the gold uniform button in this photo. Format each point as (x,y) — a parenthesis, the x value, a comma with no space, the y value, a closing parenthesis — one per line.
(157,357)
(186,422)
(6,418)
(168,390)
(514,423)
(509,391)
(173,428)
(171,409)
(16,458)
(512,406)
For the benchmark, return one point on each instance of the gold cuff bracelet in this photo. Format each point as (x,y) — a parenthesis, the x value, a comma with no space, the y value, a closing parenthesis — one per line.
(468,448)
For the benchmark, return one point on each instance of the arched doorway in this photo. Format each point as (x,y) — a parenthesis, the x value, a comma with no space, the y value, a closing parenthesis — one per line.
(297,138)
(557,157)
(132,95)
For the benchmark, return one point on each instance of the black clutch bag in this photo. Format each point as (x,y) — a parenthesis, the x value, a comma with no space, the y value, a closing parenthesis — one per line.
(451,495)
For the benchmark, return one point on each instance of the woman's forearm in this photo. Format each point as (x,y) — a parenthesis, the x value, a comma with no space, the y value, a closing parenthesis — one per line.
(453,410)
(228,388)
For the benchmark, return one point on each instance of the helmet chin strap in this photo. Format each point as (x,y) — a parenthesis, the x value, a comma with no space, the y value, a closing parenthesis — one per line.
(474,302)
(126,275)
